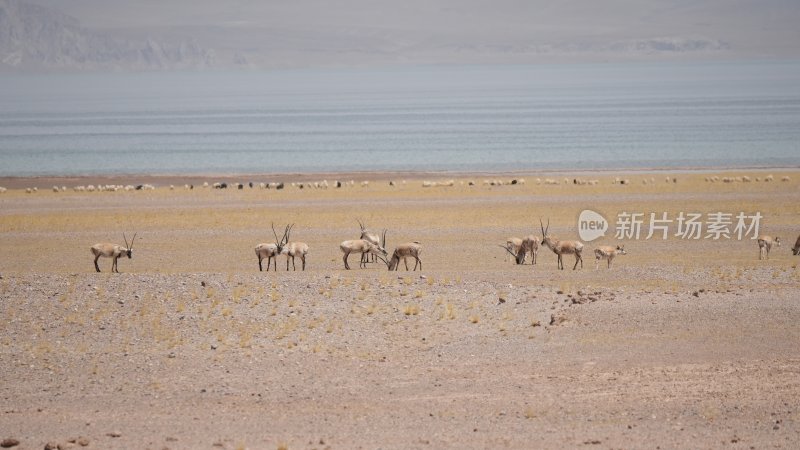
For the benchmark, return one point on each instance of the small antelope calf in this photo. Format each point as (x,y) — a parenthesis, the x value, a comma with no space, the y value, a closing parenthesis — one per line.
(765,243)
(608,253)
(113,251)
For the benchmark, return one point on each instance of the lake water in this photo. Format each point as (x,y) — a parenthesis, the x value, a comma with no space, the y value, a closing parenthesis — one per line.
(449,118)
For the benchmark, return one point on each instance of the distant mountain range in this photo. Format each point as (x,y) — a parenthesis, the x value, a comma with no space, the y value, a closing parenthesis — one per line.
(33,37)
(39,38)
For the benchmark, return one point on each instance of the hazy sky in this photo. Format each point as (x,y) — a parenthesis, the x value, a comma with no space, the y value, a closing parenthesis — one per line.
(761,28)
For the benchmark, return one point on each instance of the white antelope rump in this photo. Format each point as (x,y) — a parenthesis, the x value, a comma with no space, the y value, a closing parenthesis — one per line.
(293,249)
(371,237)
(113,251)
(404,251)
(271,251)
(608,253)
(765,243)
(360,246)
(560,247)
(796,248)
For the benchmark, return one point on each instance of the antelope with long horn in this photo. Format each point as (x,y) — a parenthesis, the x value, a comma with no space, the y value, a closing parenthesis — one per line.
(796,248)
(293,249)
(371,237)
(404,251)
(362,246)
(514,247)
(766,243)
(113,251)
(271,251)
(607,253)
(560,247)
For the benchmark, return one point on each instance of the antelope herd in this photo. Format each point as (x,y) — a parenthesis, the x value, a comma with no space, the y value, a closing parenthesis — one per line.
(370,244)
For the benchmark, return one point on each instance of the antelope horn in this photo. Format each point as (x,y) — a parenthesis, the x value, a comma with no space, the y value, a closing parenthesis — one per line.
(508,250)
(383,241)
(383,259)
(274,233)
(542,226)
(132,239)
(126,240)
(360,224)
(287,233)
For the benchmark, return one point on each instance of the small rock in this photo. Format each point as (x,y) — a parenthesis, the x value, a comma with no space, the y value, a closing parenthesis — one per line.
(559,291)
(51,446)
(557,320)
(9,442)
(82,441)
(696,293)
(203,283)
(114,434)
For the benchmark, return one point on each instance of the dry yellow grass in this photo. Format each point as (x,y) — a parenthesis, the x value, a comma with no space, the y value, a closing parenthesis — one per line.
(204,230)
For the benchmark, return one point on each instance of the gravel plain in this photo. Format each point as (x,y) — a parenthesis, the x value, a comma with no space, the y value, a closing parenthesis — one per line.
(682,344)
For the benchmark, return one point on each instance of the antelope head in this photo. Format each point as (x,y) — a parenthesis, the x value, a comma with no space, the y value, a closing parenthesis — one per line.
(778,241)
(547,239)
(621,250)
(129,247)
(282,241)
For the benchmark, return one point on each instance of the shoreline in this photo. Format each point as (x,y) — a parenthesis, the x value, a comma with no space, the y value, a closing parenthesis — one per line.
(47,181)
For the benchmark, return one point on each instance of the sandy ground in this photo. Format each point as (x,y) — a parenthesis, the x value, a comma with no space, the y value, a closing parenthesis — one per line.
(682,344)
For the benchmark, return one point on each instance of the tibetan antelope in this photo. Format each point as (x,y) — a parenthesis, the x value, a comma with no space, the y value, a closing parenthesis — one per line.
(271,251)
(514,247)
(371,237)
(404,251)
(293,249)
(113,251)
(530,244)
(796,248)
(608,253)
(765,243)
(560,247)
(519,248)
(360,246)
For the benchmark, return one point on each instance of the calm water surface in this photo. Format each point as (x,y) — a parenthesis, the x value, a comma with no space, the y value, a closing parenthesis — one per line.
(464,118)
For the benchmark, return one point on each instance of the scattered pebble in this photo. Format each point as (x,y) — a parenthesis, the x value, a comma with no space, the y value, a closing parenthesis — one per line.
(9,442)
